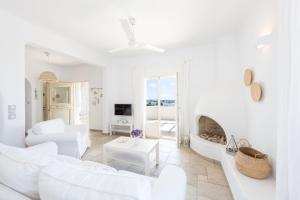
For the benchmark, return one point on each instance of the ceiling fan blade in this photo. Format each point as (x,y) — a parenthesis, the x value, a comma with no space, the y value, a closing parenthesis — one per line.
(120,49)
(128,29)
(152,48)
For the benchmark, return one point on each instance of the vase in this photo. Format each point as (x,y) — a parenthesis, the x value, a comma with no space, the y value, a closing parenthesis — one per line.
(135,140)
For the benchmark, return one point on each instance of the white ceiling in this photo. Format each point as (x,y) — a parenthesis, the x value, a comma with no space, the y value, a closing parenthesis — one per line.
(165,23)
(55,58)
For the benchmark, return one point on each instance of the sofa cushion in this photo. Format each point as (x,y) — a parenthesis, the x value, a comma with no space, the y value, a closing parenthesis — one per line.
(19,168)
(62,181)
(49,127)
(7,193)
(94,166)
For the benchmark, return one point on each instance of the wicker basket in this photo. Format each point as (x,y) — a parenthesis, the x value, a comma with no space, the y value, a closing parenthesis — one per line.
(252,163)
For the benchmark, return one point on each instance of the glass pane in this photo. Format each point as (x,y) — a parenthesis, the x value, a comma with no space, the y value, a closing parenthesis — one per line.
(152,99)
(152,92)
(167,91)
(62,95)
(167,111)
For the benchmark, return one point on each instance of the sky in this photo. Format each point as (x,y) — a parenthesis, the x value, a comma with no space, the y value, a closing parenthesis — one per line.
(167,88)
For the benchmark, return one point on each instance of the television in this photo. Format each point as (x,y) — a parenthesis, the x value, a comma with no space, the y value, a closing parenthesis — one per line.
(123,109)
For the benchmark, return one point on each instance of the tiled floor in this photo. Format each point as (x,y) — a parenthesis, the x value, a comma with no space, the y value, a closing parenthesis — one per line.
(205,177)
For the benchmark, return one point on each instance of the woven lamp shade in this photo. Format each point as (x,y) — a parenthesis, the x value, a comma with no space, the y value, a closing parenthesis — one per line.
(47,77)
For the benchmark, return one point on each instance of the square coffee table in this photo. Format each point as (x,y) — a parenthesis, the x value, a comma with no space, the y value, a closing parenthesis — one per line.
(132,151)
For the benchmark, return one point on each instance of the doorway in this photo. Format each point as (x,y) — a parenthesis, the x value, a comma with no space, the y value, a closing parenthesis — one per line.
(28,105)
(161,107)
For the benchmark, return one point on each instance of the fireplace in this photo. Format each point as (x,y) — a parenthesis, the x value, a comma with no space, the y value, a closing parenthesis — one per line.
(210,130)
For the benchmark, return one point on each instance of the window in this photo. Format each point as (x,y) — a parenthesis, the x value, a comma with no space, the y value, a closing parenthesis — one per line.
(167,91)
(152,92)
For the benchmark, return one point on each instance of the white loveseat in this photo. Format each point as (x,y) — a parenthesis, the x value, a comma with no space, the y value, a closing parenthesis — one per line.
(39,173)
(72,140)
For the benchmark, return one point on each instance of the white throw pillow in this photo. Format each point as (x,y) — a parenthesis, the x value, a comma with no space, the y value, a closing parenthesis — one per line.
(90,165)
(49,127)
(64,181)
(19,168)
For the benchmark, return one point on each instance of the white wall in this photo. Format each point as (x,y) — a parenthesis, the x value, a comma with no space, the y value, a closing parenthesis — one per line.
(286,52)
(235,53)
(122,82)
(15,34)
(220,65)
(225,101)
(262,115)
(92,74)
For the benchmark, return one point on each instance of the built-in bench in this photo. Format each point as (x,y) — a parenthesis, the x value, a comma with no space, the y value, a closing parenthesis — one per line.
(242,187)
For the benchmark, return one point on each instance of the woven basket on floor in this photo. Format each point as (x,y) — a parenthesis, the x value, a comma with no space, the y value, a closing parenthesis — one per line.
(252,163)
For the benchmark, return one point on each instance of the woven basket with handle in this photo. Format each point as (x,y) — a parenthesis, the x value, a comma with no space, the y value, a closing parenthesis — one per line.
(252,163)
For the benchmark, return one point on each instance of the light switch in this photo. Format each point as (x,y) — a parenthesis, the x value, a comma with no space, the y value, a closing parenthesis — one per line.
(12,112)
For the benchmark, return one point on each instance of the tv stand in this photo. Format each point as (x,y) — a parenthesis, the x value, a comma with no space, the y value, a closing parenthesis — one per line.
(121,125)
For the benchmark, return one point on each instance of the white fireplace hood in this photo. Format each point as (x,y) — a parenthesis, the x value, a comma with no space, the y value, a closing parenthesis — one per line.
(226,107)
(228,110)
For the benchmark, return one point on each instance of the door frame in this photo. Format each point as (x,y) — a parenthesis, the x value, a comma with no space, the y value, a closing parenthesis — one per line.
(158,77)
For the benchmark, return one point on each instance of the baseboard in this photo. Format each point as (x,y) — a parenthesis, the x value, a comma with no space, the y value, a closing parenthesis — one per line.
(96,130)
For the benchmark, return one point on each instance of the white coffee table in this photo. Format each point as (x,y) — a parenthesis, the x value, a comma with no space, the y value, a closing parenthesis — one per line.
(129,150)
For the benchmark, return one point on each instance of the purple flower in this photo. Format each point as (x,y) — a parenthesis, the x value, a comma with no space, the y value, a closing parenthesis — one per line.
(136,133)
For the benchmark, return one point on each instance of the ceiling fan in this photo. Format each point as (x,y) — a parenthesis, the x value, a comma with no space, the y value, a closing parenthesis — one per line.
(128,26)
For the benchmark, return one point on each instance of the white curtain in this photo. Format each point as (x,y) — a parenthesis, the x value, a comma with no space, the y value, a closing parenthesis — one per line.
(294,107)
(288,156)
(107,104)
(139,97)
(183,101)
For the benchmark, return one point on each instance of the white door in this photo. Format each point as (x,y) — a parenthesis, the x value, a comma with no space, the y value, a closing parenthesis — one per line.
(161,109)
(61,102)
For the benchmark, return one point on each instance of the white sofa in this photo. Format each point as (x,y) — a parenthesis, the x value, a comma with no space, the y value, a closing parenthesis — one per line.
(39,173)
(72,140)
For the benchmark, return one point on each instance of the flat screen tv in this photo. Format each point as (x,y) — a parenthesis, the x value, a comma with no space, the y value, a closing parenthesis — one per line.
(123,109)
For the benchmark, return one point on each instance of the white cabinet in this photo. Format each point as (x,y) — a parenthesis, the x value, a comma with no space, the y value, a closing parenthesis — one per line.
(61,101)
(121,125)
(68,101)
(121,128)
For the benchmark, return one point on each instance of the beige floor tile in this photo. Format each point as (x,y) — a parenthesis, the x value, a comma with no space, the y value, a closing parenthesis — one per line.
(192,179)
(213,191)
(203,198)
(216,176)
(202,178)
(194,169)
(201,161)
(191,192)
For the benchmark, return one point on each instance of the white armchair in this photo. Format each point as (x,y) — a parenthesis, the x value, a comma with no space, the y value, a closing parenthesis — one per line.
(72,140)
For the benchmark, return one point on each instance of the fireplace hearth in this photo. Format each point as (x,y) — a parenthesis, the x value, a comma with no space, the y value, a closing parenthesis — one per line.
(210,130)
